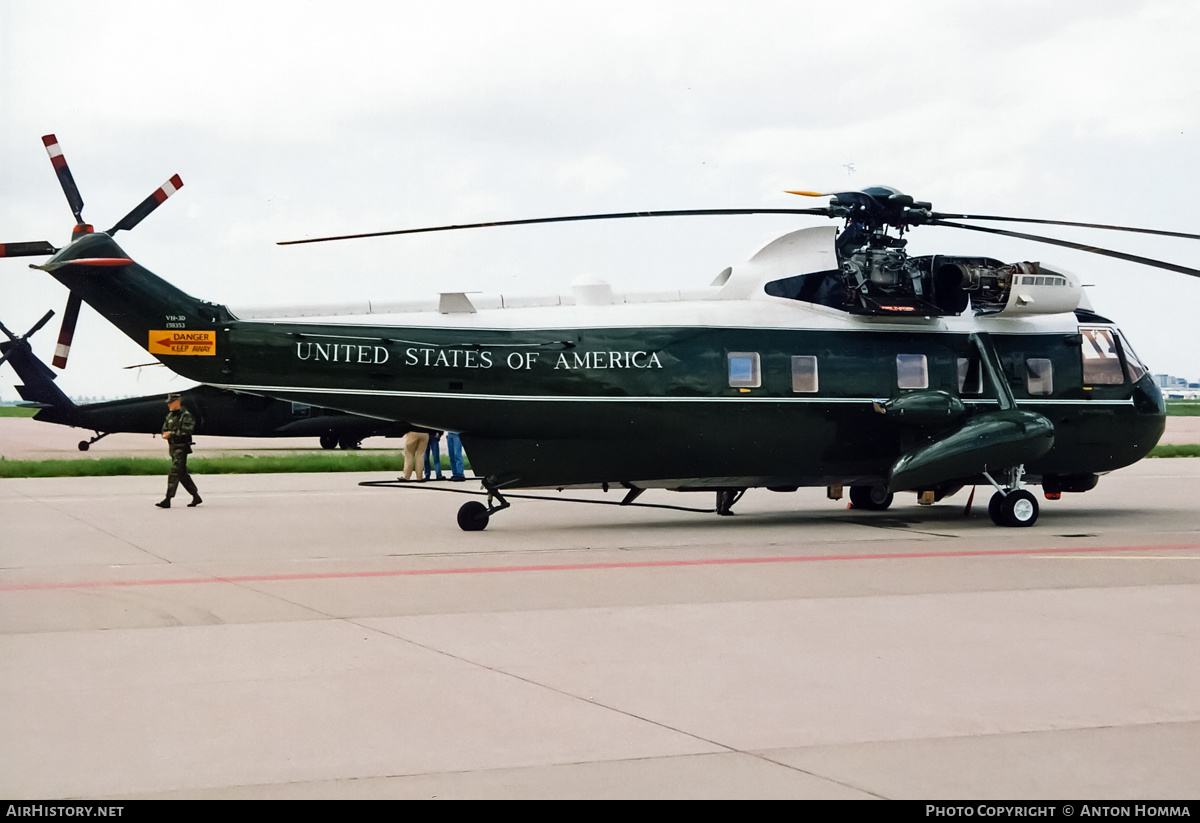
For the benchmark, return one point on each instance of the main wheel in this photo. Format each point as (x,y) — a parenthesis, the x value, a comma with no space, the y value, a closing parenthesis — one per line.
(994,506)
(329,441)
(349,442)
(84,445)
(1020,508)
(871,498)
(473,516)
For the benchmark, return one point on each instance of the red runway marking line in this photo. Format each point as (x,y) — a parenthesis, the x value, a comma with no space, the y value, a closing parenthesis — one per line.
(647,564)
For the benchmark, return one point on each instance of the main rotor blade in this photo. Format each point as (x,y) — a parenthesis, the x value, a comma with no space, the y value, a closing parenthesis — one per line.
(143,209)
(940,216)
(59,161)
(1132,258)
(70,316)
(34,249)
(823,212)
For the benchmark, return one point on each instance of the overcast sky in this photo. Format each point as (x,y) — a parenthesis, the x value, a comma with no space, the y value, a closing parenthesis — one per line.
(294,119)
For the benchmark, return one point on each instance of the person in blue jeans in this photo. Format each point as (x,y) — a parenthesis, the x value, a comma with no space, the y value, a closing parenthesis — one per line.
(433,457)
(454,448)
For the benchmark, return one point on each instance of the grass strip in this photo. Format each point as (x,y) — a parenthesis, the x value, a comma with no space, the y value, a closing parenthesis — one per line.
(1186,450)
(1183,408)
(245,464)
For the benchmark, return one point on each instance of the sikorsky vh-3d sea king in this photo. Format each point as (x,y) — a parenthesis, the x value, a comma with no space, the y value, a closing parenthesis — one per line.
(831,358)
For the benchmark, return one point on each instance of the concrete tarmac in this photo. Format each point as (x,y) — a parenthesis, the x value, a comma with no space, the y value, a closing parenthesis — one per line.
(301,636)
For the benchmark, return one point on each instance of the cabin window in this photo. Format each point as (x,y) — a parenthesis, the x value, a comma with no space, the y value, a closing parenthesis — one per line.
(912,371)
(1039,375)
(1101,363)
(970,376)
(744,372)
(804,373)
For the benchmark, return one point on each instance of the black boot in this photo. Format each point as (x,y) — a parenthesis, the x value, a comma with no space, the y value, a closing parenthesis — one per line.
(165,504)
(196,501)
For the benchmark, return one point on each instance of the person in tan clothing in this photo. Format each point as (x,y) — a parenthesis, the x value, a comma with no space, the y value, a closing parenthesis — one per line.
(415,443)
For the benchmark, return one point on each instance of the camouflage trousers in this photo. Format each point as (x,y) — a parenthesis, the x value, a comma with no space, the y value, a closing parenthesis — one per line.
(179,473)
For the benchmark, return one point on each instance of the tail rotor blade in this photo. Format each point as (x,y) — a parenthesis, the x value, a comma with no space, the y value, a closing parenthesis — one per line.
(70,316)
(143,209)
(34,249)
(45,319)
(65,179)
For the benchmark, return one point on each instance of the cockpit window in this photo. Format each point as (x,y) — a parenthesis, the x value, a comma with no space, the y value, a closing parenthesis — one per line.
(1101,361)
(1133,365)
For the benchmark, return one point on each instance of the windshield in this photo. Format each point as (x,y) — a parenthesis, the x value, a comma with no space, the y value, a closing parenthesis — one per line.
(1133,364)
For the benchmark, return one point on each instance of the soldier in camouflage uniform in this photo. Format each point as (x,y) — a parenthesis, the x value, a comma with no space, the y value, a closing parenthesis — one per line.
(177,431)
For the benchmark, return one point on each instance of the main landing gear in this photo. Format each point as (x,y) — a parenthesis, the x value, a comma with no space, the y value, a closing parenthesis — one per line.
(1012,505)
(346,441)
(871,498)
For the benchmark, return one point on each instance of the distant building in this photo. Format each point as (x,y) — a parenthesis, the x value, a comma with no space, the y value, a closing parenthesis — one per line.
(1177,388)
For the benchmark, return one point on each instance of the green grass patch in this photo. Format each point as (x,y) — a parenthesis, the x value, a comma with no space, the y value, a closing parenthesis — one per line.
(17,411)
(1183,408)
(1187,450)
(245,464)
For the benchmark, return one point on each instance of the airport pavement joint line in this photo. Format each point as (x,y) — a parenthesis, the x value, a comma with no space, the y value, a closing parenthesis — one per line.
(91,525)
(594,702)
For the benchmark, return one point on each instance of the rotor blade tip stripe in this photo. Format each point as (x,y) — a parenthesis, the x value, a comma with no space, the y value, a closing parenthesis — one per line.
(168,188)
(54,150)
